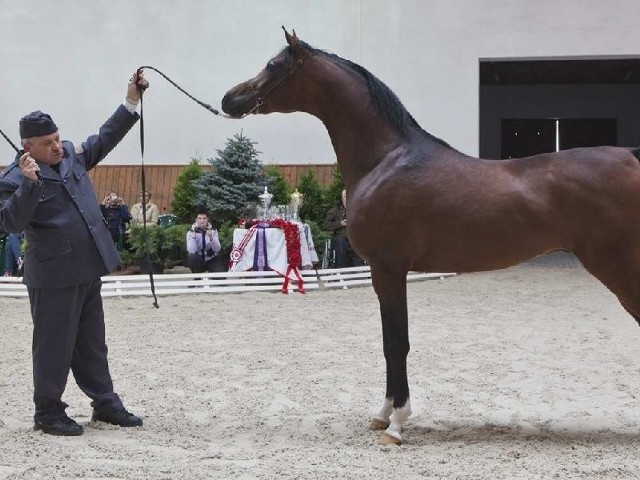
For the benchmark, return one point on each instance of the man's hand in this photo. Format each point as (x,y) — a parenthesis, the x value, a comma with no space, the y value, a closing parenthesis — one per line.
(137,83)
(29,167)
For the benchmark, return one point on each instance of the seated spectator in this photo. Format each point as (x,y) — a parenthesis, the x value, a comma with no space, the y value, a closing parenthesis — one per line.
(152,212)
(116,214)
(336,221)
(13,264)
(203,246)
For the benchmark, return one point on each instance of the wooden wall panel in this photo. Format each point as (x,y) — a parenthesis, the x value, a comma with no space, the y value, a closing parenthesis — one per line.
(161,180)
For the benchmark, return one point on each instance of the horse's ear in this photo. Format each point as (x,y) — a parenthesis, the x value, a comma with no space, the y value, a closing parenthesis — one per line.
(292,40)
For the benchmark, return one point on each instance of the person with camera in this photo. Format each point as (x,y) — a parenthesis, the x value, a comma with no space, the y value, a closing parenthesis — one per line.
(116,213)
(203,246)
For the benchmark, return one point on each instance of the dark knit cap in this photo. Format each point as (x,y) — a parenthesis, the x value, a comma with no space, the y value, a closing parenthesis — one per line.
(36,124)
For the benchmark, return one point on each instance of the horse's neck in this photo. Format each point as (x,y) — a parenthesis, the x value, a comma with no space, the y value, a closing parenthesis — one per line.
(361,139)
(358,148)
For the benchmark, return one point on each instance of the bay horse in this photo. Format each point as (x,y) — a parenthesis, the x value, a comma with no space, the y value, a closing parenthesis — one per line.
(416,203)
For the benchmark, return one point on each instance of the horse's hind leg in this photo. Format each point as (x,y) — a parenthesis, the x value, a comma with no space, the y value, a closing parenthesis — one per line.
(391,288)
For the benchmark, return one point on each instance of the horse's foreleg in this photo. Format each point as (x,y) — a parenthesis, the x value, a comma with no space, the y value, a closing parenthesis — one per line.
(382,420)
(392,293)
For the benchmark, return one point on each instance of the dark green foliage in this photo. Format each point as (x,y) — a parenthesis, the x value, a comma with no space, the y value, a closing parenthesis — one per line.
(225,233)
(333,193)
(236,180)
(184,193)
(319,237)
(313,208)
(278,186)
(162,245)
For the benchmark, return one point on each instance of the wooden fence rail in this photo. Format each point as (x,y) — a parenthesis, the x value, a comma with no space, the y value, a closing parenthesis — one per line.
(226,282)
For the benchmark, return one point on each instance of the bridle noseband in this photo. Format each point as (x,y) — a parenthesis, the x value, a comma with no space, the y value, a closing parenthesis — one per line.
(260,100)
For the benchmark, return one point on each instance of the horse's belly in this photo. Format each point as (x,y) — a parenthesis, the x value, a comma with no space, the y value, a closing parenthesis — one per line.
(474,256)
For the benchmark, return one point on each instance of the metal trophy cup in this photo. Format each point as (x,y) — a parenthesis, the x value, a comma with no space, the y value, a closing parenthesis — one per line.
(265,199)
(296,203)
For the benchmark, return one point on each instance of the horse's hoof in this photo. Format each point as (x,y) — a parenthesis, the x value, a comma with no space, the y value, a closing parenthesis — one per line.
(377,424)
(386,439)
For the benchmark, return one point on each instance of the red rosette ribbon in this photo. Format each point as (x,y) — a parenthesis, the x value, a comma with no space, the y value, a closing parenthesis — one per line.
(292,241)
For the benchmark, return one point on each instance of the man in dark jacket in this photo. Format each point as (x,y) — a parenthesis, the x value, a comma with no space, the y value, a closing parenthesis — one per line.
(47,194)
(336,221)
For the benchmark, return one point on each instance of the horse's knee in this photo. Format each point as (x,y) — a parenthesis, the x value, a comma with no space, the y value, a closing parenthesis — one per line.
(398,348)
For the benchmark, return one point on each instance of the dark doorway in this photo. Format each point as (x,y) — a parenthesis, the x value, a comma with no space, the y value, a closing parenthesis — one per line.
(523,137)
(595,101)
(587,132)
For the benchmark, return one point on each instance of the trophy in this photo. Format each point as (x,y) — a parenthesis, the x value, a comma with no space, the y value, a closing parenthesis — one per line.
(265,199)
(296,202)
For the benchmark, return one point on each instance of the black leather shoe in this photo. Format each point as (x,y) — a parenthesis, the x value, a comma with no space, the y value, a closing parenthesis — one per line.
(121,418)
(60,426)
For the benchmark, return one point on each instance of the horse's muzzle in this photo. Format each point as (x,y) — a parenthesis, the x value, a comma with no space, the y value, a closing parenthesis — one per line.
(236,104)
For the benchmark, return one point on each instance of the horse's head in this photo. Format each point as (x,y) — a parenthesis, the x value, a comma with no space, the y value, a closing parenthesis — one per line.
(274,88)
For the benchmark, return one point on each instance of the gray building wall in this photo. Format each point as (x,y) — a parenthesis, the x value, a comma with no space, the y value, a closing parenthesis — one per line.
(72,59)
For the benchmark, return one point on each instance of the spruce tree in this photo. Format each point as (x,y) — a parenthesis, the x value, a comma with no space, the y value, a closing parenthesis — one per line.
(236,180)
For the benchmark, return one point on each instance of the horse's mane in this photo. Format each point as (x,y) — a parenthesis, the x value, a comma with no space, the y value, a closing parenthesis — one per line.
(386,102)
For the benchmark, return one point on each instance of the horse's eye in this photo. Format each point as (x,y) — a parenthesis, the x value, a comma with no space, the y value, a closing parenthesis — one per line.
(271,67)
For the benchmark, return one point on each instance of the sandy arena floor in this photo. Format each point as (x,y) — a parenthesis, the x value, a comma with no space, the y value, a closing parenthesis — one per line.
(524,373)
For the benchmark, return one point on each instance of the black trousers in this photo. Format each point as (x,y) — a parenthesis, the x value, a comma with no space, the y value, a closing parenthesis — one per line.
(198,265)
(345,256)
(69,334)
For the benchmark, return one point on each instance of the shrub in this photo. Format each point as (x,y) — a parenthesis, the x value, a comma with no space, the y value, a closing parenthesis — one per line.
(184,194)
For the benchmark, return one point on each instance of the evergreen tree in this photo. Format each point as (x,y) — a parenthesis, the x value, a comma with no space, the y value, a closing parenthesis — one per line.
(278,186)
(313,206)
(236,180)
(184,193)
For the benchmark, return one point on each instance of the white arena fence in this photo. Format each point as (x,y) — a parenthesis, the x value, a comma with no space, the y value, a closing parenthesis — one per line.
(225,282)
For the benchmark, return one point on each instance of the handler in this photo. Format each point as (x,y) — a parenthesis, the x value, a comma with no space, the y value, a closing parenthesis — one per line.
(48,194)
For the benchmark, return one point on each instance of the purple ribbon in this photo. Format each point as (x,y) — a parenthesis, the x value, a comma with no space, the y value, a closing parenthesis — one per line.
(260,262)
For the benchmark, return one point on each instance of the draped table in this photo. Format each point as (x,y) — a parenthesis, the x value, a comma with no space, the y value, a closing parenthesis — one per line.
(262,249)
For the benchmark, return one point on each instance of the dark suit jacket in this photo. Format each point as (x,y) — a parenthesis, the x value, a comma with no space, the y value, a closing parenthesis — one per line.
(67,240)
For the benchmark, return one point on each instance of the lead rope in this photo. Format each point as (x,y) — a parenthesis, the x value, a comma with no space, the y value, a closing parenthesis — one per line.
(10,142)
(144,198)
(142,173)
(255,109)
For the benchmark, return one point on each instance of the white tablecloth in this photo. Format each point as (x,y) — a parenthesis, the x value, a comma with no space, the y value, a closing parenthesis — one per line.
(276,249)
